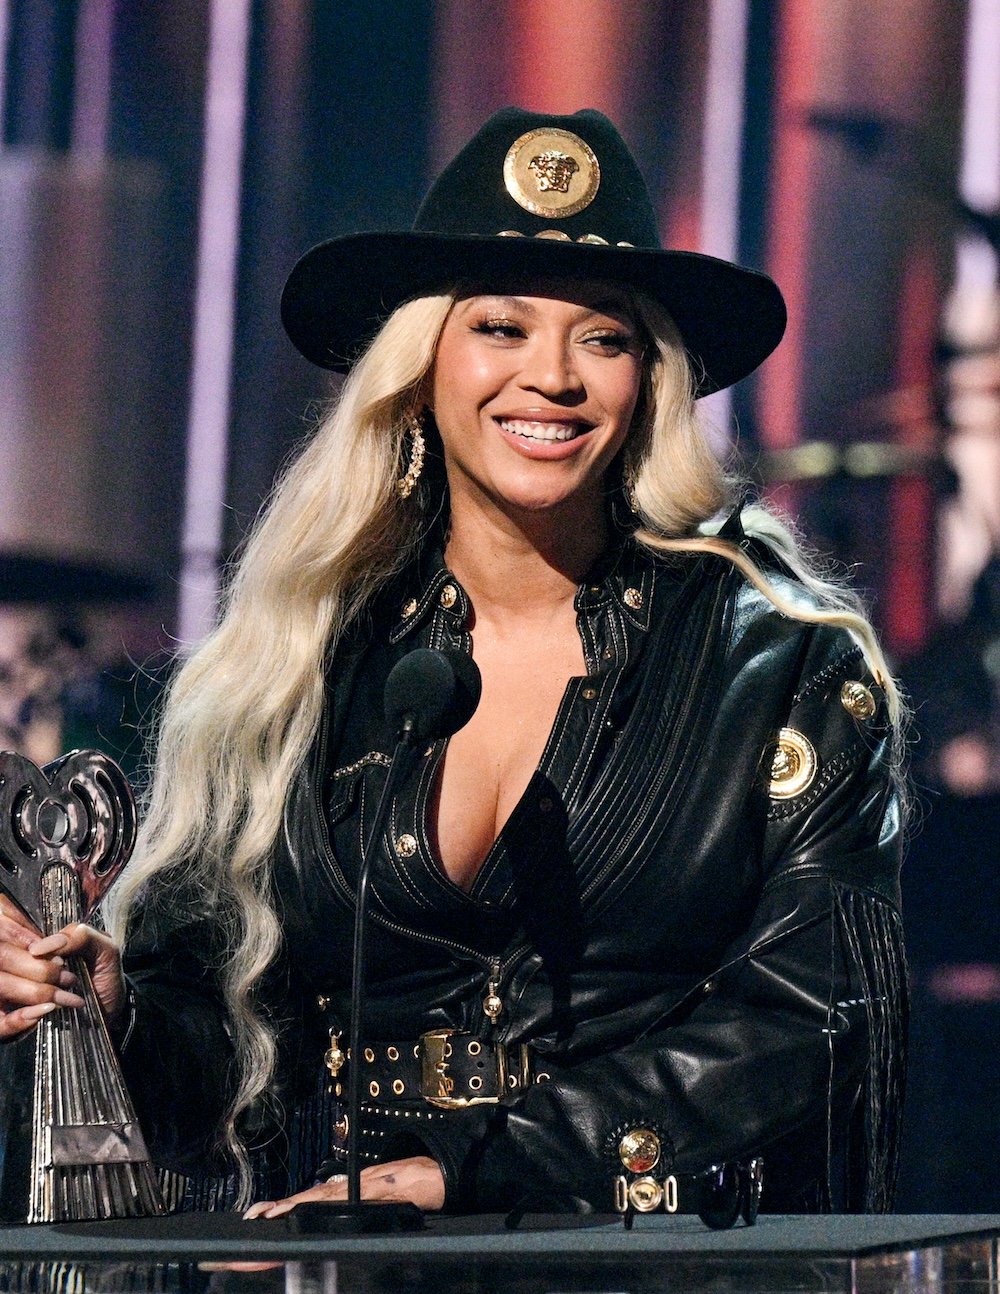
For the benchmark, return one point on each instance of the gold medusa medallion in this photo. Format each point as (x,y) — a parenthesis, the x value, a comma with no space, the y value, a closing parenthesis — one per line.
(551,172)
(793,765)
(639,1150)
(857,699)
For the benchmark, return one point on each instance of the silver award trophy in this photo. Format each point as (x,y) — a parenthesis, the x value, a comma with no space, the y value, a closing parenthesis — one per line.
(65,834)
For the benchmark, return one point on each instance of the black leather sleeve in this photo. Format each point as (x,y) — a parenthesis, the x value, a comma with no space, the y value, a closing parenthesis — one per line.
(176,1055)
(801,1022)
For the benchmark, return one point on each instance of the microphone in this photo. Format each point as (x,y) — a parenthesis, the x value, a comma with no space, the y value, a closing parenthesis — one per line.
(431,694)
(428,695)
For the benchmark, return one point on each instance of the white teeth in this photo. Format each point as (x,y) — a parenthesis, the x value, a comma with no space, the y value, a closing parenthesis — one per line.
(542,430)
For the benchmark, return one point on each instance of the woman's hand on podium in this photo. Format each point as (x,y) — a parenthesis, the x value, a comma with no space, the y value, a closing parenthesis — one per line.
(34,976)
(417,1180)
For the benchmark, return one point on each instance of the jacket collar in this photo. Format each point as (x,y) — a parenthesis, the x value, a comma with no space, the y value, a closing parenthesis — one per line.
(427,587)
(623,576)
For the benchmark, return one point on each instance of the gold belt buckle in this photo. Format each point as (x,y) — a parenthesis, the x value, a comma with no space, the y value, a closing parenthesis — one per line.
(437,1086)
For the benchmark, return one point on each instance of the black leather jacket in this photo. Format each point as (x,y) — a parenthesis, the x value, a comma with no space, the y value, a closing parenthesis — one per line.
(693,934)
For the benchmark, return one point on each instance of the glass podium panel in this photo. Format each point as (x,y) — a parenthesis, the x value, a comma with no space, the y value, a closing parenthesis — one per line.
(220,1254)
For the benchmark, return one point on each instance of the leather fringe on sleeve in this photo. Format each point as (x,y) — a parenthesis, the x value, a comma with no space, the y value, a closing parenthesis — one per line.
(872,931)
(315,1139)
(218,1193)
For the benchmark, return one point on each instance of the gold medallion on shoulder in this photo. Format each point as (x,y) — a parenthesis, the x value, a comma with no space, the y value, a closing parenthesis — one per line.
(793,765)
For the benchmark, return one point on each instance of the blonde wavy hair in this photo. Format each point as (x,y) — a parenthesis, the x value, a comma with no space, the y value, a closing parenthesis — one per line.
(242,712)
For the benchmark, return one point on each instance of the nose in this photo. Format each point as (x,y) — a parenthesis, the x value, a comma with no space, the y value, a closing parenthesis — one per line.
(550,369)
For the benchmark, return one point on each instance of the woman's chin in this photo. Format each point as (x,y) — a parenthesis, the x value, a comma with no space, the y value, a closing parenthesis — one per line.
(549,503)
(545,491)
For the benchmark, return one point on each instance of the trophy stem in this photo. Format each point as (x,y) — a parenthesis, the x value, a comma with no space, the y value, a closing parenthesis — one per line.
(89,1159)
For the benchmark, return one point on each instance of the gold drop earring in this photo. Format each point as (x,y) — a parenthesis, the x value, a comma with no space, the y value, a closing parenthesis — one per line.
(406,482)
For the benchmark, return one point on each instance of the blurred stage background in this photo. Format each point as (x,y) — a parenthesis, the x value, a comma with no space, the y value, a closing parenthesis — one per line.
(162,164)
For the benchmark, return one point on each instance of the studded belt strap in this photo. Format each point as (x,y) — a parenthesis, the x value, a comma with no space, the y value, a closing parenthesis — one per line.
(448,1068)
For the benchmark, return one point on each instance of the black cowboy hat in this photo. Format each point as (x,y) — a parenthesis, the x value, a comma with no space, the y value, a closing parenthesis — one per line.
(534,197)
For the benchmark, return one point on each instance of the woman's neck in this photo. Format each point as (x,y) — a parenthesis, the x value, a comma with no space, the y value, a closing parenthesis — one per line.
(523,564)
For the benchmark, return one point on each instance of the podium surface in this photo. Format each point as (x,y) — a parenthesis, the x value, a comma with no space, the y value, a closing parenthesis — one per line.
(951,1254)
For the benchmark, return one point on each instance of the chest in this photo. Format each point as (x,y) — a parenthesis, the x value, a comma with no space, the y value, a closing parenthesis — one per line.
(577,768)
(490,761)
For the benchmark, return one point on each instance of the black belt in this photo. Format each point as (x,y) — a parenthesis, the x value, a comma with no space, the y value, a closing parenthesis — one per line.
(719,1195)
(448,1068)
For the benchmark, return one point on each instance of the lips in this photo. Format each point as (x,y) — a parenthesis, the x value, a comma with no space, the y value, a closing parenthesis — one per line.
(543,432)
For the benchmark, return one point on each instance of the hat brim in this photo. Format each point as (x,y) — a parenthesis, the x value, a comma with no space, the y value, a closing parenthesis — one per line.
(343,290)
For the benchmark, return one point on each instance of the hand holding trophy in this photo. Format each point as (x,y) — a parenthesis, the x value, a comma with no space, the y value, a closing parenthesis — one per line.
(65,834)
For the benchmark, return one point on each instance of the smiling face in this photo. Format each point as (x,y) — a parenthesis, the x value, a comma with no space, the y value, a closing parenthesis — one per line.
(534,394)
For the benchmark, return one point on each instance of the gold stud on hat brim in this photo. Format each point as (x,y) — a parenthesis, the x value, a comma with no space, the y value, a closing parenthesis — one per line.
(588,240)
(551,173)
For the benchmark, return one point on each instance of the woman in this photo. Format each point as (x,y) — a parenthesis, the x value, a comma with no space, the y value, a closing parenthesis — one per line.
(634,928)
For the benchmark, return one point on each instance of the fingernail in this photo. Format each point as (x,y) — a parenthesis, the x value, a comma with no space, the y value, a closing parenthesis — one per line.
(50,944)
(66,979)
(38,1010)
(62,998)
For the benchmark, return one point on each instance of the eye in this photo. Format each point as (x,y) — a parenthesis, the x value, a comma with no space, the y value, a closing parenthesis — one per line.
(501,329)
(610,341)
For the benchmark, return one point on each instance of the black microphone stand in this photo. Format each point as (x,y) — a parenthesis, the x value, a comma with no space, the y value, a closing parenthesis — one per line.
(429,694)
(357,1215)
(387,1216)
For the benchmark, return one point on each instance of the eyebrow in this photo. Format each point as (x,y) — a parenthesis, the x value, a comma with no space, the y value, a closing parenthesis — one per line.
(511,303)
(608,305)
